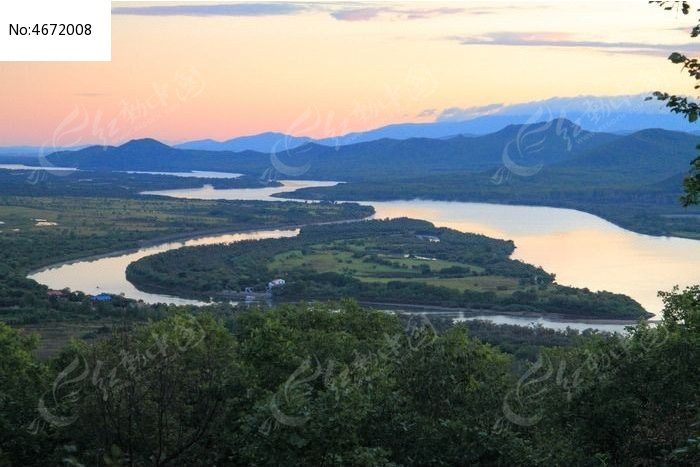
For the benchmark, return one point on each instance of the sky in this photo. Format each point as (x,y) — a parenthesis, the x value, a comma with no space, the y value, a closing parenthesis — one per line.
(185,71)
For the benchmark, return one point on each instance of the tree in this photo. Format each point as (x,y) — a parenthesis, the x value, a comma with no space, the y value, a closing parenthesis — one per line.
(682,105)
(450,393)
(630,400)
(159,394)
(21,377)
(682,308)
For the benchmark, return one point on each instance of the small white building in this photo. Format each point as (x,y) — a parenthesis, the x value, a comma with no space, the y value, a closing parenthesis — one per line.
(275,283)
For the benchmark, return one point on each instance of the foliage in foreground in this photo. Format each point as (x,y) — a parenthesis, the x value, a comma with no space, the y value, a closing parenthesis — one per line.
(324,385)
(681,104)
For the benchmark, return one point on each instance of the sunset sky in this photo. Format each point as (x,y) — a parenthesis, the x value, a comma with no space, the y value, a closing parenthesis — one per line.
(182,71)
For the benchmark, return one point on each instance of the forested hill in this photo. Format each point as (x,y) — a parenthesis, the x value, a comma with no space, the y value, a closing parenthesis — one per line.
(648,155)
(644,156)
(634,180)
(151,155)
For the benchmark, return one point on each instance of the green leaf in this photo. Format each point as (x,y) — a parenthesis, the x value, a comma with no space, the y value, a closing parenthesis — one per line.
(675,57)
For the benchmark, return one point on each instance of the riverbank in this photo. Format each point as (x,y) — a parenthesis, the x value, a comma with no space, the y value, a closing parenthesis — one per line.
(179,238)
(383,261)
(592,253)
(555,317)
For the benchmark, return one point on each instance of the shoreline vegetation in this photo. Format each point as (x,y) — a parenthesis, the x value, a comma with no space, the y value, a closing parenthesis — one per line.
(80,228)
(436,310)
(159,181)
(182,238)
(397,261)
(145,239)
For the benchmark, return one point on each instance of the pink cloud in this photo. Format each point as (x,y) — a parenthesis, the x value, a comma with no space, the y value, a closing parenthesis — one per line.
(368,13)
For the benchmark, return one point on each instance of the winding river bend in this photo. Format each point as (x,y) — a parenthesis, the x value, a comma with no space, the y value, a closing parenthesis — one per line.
(581,249)
(108,273)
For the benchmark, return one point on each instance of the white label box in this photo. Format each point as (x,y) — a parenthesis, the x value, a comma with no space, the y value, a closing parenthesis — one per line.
(55,30)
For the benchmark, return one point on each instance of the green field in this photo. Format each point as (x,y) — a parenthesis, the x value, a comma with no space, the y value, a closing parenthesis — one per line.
(55,335)
(499,284)
(324,260)
(328,258)
(351,260)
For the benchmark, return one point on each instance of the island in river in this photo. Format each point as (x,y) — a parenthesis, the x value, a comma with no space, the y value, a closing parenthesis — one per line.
(390,261)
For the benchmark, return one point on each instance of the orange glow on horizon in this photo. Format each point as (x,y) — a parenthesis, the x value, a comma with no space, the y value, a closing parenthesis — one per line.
(328,70)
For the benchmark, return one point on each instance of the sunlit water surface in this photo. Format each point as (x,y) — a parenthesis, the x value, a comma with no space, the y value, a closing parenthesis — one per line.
(581,249)
(108,274)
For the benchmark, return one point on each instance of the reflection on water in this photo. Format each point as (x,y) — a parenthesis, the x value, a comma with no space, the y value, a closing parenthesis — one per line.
(546,323)
(193,174)
(29,167)
(109,274)
(581,249)
(246,194)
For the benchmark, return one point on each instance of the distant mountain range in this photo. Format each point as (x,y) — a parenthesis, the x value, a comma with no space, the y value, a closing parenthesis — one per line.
(559,145)
(32,151)
(619,115)
(616,114)
(264,142)
(279,142)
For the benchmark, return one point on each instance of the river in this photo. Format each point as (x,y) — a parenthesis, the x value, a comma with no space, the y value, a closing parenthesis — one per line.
(581,249)
(108,273)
